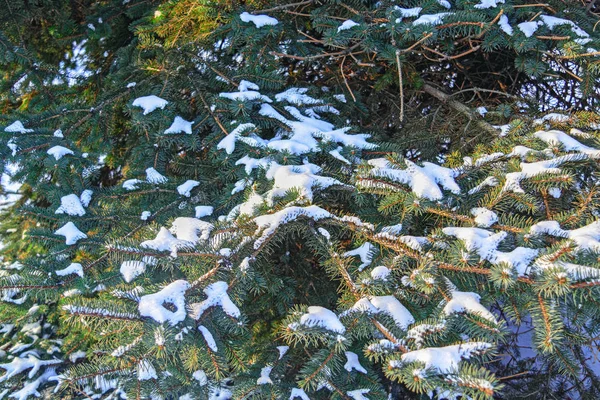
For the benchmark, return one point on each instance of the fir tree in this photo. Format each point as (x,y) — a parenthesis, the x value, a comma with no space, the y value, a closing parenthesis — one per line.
(193,222)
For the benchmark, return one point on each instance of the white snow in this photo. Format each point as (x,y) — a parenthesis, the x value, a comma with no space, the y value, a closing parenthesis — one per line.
(130,184)
(190,229)
(505,25)
(203,211)
(132,269)
(153,176)
(228,142)
(268,224)
(145,215)
(443,359)
(19,365)
(485,243)
(165,241)
(529,28)
(380,273)
(364,252)
(71,205)
(282,350)
(408,12)
(73,268)
(352,363)
(258,20)
(200,376)
(484,217)
(86,197)
(467,302)
(76,355)
(145,371)
(296,392)
(71,233)
(347,25)
(483,4)
(58,133)
(423,180)
(586,238)
(185,188)
(17,127)
(552,22)
(59,152)
(216,296)
(264,378)
(180,125)
(323,318)
(151,305)
(150,103)
(359,394)
(554,137)
(208,337)
(432,19)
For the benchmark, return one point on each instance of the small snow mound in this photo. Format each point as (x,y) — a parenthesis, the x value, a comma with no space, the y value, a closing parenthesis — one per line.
(150,103)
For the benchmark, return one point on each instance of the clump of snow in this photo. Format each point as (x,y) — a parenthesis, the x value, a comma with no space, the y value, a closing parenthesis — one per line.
(58,133)
(365,252)
(485,243)
(258,20)
(185,188)
(191,230)
(180,125)
(264,378)
(203,211)
(349,24)
(443,359)
(17,127)
(165,241)
(216,296)
(145,215)
(483,4)
(586,237)
(380,273)
(153,176)
(484,217)
(431,19)
(145,371)
(299,393)
(151,305)
(86,197)
(130,184)
(505,25)
(467,302)
(73,268)
(322,317)
(71,205)
(268,224)
(150,103)
(352,363)
(529,28)
(59,152)
(71,233)
(358,394)
(132,269)
(423,180)
(208,337)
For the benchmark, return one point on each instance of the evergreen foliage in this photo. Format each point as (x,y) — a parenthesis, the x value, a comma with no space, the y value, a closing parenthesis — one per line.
(208,209)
